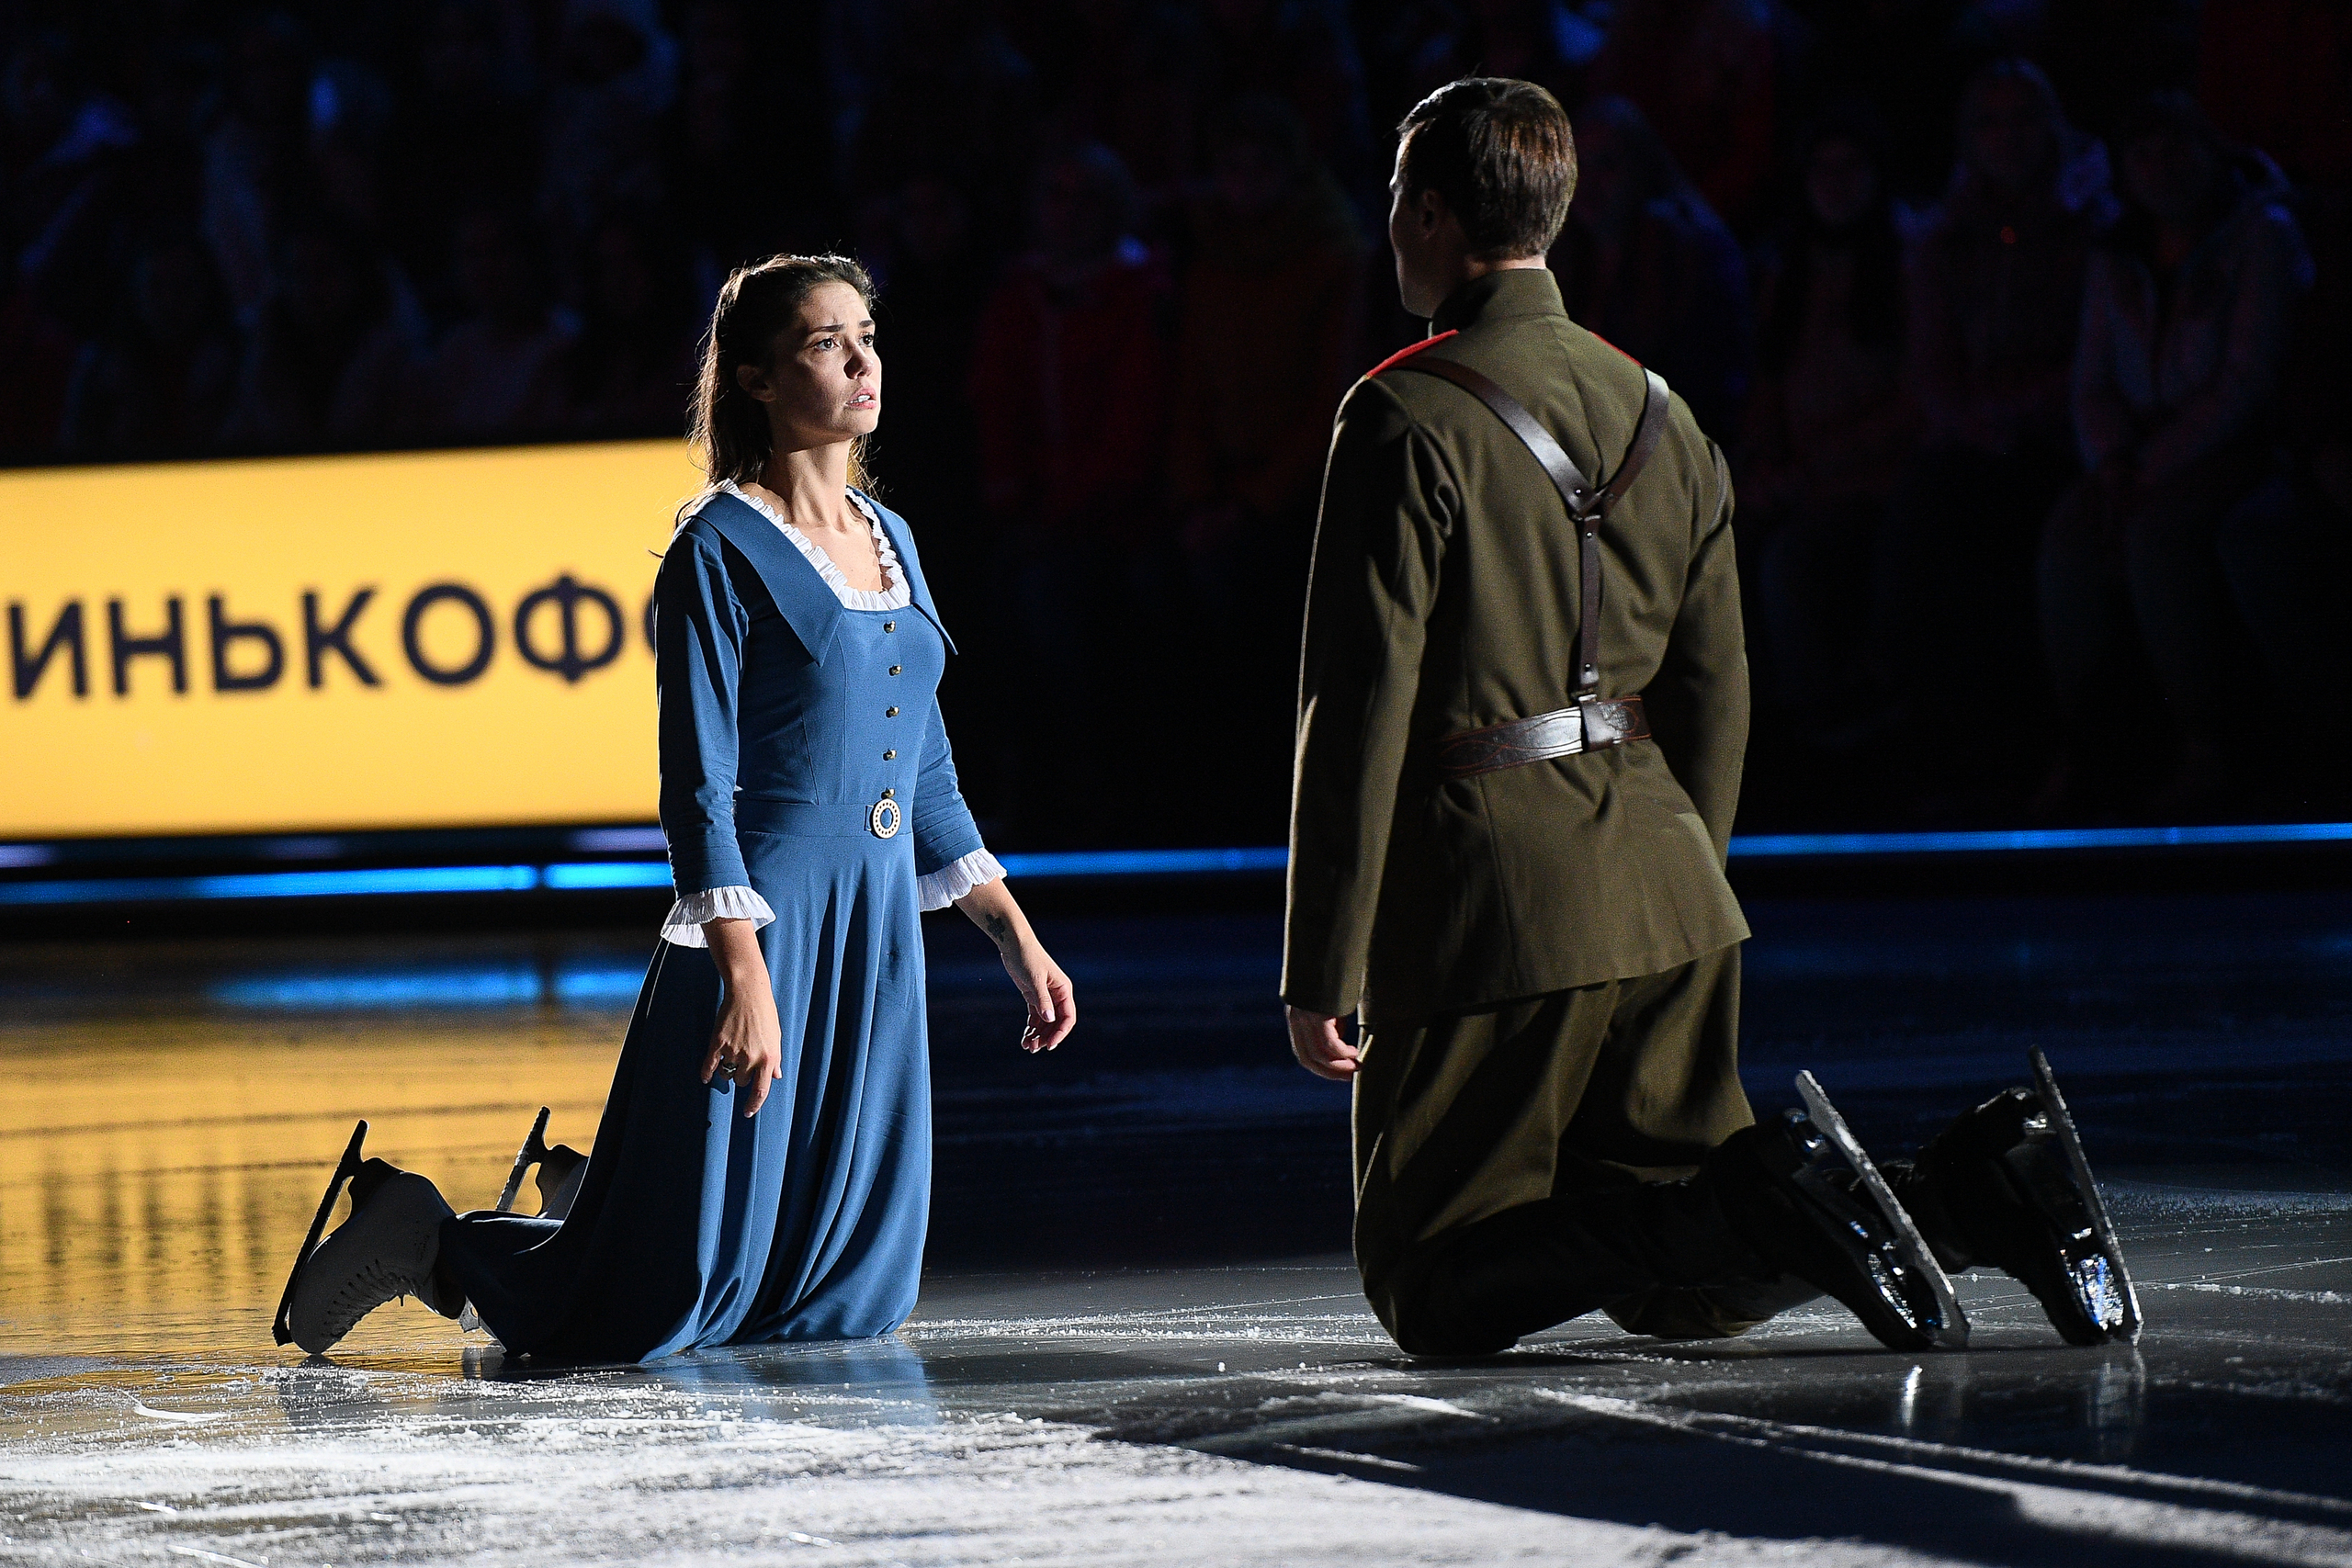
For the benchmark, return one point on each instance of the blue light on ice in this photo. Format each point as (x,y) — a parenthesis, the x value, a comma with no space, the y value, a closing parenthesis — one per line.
(585,875)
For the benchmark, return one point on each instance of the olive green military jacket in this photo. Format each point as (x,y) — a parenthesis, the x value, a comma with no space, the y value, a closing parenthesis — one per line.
(1443,597)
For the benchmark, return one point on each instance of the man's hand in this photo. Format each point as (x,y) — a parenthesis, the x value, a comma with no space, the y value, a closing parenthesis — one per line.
(1314,1041)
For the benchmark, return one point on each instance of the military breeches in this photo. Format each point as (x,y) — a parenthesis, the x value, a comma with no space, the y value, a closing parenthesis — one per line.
(1522,1165)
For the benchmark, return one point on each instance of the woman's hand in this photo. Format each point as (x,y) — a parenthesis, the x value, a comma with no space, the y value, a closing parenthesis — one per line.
(746,1043)
(1053,1002)
(1053,1010)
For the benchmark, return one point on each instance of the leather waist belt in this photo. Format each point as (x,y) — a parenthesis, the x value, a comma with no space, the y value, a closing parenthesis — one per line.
(1565,732)
(1592,721)
(806,818)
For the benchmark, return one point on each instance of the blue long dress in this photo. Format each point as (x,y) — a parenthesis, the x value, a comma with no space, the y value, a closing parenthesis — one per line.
(791,730)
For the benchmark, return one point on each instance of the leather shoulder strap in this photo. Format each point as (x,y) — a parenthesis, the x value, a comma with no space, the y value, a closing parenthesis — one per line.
(1585,505)
(1645,439)
(1567,478)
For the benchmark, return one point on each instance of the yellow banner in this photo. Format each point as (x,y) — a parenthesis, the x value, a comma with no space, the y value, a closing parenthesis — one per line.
(421,639)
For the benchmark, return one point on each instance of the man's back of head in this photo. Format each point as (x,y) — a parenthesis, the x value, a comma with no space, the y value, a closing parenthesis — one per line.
(1485,167)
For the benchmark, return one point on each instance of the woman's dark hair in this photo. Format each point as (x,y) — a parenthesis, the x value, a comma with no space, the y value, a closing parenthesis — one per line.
(1500,152)
(727,425)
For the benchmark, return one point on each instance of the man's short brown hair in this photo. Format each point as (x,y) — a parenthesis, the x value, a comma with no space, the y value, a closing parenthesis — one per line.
(1499,151)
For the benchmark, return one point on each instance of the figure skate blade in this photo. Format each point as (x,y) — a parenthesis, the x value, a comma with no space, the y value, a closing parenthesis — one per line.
(2066,1194)
(280,1328)
(1908,1271)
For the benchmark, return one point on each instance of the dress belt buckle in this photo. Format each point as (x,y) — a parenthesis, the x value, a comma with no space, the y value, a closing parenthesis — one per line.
(885,817)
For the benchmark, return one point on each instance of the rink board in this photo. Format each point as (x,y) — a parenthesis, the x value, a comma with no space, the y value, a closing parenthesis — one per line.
(403,640)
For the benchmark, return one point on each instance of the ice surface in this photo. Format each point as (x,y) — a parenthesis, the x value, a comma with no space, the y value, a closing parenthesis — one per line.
(1140,1341)
(1250,1414)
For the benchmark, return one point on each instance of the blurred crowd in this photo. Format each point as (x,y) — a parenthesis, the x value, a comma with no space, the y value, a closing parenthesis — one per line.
(2025,322)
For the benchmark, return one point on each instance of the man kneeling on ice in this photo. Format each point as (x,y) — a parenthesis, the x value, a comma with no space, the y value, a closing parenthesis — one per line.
(1521,717)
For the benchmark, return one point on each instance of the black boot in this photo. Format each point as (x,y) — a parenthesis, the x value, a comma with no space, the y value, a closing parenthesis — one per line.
(1527,1269)
(2006,1186)
(388,1248)
(1710,1312)
(560,1172)
(1804,1195)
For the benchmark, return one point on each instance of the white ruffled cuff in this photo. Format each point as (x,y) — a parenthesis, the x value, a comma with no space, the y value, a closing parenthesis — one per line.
(683,925)
(952,881)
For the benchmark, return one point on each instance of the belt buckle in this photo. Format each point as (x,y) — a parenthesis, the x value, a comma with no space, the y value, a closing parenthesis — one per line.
(1603,722)
(884,819)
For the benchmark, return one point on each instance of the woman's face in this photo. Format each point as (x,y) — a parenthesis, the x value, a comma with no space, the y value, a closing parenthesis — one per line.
(823,380)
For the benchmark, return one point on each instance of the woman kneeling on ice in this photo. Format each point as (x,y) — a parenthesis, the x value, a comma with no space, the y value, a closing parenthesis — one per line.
(811,803)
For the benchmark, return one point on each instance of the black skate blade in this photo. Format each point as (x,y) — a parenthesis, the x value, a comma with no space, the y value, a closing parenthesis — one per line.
(1948,1330)
(533,1150)
(2114,1300)
(280,1328)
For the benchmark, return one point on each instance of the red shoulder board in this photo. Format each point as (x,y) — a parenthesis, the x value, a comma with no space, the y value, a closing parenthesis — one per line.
(1606,343)
(1406,352)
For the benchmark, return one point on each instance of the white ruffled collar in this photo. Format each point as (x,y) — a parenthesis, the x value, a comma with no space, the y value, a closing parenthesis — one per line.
(896,596)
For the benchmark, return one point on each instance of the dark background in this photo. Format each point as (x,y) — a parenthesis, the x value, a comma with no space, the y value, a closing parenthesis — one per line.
(1131,254)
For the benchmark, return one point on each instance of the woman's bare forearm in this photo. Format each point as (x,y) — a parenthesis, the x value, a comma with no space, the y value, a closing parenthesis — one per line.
(1051,1000)
(992,907)
(735,949)
(746,1048)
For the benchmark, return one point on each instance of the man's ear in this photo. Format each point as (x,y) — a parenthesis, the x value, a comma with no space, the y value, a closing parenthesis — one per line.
(1429,211)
